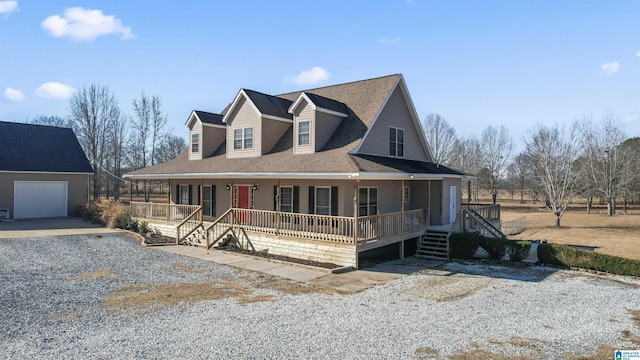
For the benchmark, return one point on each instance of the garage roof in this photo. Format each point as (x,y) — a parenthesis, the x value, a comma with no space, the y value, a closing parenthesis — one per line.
(40,148)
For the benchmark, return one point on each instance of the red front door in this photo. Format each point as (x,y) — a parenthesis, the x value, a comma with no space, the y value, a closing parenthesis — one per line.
(243,201)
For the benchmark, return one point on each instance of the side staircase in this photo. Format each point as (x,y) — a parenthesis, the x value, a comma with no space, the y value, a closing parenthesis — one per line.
(434,244)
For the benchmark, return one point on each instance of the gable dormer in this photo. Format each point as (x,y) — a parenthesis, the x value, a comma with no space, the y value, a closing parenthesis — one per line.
(315,118)
(206,133)
(255,122)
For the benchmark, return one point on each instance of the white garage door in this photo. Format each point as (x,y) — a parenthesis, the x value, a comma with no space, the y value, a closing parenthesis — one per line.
(36,199)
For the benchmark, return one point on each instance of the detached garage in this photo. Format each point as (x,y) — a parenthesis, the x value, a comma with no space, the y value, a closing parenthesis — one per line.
(43,171)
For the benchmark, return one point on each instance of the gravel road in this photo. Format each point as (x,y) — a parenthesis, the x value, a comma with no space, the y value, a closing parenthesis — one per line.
(107,297)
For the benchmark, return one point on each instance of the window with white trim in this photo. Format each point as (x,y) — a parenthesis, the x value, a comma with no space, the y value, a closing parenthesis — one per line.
(323,200)
(195,143)
(304,133)
(367,201)
(396,142)
(286,198)
(243,138)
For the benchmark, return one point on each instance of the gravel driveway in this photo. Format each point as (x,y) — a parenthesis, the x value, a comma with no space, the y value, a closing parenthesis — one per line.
(107,297)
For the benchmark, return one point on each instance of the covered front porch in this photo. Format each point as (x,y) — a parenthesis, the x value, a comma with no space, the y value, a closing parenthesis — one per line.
(323,238)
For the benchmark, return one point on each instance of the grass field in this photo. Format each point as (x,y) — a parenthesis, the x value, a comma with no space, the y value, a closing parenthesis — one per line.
(617,235)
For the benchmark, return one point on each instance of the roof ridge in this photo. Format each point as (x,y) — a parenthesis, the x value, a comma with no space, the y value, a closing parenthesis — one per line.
(341,84)
(30,124)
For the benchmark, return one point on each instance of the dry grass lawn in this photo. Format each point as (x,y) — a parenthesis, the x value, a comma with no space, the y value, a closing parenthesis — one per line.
(617,235)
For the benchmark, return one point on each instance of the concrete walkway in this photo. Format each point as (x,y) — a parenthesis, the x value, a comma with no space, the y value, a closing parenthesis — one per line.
(49,227)
(352,281)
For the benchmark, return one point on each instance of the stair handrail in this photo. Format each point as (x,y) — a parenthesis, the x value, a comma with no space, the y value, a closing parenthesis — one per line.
(485,223)
(213,224)
(189,220)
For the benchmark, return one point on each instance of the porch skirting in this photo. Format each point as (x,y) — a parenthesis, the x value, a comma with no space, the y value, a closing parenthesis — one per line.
(320,251)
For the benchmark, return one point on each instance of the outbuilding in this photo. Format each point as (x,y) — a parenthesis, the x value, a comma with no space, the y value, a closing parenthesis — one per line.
(43,171)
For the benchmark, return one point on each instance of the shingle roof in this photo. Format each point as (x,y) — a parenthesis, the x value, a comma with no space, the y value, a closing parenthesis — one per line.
(28,147)
(269,104)
(363,100)
(326,103)
(210,118)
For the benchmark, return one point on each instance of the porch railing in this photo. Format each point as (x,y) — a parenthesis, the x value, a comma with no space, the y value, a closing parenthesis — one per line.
(385,225)
(162,212)
(514,227)
(189,225)
(482,219)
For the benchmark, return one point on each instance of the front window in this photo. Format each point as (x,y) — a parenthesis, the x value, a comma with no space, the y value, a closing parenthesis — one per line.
(286,199)
(195,143)
(184,194)
(323,200)
(367,201)
(396,142)
(406,194)
(303,133)
(243,138)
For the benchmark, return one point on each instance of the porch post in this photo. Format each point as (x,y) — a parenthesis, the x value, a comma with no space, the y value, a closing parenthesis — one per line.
(401,245)
(130,194)
(277,200)
(429,204)
(355,220)
(169,200)
(469,193)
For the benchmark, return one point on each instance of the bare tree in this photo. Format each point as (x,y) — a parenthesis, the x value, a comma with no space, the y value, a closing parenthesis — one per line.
(496,146)
(552,152)
(466,157)
(117,140)
(607,162)
(520,172)
(92,110)
(441,138)
(50,120)
(170,147)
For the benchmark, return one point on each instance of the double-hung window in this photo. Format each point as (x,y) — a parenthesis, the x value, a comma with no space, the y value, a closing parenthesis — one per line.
(323,200)
(243,138)
(184,194)
(286,198)
(195,143)
(303,133)
(367,201)
(396,142)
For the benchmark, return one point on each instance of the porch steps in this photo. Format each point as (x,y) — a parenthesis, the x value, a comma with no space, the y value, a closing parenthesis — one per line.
(197,237)
(433,245)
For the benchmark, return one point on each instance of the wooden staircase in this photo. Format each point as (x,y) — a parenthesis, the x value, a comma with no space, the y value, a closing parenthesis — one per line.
(196,238)
(434,244)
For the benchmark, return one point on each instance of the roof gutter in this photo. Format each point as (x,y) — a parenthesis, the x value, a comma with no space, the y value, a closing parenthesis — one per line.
(325,176)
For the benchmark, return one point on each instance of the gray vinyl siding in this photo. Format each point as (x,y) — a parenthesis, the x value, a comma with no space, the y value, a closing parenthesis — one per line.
(211,139)
(197,129)
(325,126)
(244,116)
(435,213)
(306,113)
(394,114)
(272,131)
(76,188)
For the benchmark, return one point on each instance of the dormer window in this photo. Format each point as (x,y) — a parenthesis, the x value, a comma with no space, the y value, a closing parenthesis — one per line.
(303,133)
(396,142)
(195,143)
(243,138)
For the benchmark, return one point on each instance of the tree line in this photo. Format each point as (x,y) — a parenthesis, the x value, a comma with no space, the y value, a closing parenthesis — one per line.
(115,142)
(589,159)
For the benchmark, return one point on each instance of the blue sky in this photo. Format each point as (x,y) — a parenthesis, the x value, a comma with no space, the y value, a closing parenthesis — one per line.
(477,63)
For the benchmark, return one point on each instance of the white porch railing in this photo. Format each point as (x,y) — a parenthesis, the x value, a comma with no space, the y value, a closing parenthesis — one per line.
(163,212)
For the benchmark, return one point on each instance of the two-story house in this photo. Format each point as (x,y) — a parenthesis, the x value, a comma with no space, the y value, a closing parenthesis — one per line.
(327,174)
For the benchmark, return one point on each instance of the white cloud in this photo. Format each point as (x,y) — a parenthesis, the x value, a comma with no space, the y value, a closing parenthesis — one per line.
(13,94)
(638,53)
(388,40)
(85,25)
(55,90)
(610,68)
(309,77)
(7,7)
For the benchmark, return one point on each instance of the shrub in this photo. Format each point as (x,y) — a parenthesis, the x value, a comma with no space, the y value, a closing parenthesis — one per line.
(144,228)
(518,250)
(463,245)
(110,212)
(495,247)
(567,256)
